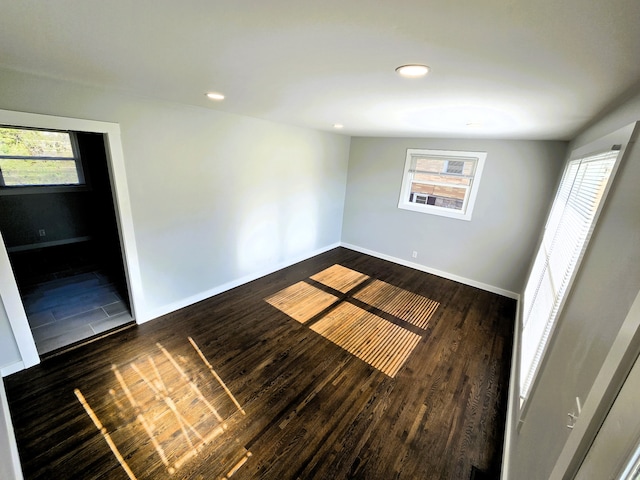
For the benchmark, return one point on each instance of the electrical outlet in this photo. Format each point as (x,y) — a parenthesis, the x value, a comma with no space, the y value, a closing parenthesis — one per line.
(42,233)
(414,254)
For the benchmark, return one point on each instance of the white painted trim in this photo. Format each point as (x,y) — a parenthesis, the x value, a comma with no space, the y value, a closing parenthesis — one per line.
(12,368)
(433,271)
(13,447)
(612,375)
(124,217)
(166,309)
(15,311)
(470,201)
(513,399)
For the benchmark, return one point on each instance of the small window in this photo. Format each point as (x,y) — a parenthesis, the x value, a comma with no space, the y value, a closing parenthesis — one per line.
(441,182)
(36,158)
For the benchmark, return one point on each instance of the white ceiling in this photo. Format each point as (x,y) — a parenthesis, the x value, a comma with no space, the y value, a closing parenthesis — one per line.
(527,69)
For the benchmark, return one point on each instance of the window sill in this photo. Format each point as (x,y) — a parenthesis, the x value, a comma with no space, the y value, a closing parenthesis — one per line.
(42,190)
(442,212)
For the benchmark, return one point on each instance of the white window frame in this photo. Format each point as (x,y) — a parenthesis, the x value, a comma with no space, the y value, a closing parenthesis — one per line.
(448,155)
(632,468)
(526,386)
(40,188)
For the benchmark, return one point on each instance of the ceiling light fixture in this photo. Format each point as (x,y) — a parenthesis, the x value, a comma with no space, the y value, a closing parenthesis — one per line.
(412,71)
(215,96)
(338,125)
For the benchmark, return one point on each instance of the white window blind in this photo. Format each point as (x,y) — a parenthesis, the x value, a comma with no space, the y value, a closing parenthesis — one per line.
(569,226)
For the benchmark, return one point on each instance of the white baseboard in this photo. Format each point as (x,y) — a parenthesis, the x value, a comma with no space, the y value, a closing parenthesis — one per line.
(433,271)
(6,428)
(166,309)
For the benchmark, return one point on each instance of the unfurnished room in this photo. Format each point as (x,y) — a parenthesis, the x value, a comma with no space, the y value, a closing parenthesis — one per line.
(319,240)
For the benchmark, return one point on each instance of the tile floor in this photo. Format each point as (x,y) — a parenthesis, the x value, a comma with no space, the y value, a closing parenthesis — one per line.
(71,309)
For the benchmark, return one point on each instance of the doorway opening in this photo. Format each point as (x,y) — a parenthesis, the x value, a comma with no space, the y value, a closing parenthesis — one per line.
(65,251)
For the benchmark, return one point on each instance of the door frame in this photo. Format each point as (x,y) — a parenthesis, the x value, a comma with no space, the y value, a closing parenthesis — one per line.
(9,293)
(613,374)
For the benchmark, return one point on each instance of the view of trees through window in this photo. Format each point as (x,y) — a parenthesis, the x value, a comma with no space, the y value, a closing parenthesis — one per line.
(37,158)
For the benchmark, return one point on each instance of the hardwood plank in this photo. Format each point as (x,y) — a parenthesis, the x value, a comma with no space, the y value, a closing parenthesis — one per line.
(383,345)
(407,306)
(312,409)
(340,278)
(301,301)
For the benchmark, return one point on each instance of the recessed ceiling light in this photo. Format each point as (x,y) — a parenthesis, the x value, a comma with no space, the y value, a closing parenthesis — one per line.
(338,125)
(413,71)
(215,96)
(474,124)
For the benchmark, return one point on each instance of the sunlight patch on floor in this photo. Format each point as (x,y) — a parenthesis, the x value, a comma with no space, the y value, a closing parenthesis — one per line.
(172,401)
(383,344)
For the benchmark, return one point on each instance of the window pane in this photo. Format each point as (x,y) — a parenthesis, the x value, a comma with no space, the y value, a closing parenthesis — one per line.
(21,172)
(455,166)
(438,195)
(441,182)
(444,166)
(35,143)
(429,165)
(431,178)
(453,193)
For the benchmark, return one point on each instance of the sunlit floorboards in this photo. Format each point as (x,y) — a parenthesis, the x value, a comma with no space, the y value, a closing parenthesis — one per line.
(289,403)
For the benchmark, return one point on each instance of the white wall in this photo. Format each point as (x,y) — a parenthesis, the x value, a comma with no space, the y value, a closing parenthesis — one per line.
(602,295)
(494,248)
(216,198)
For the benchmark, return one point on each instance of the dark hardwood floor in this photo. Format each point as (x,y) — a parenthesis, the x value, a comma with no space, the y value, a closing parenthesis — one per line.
(232,387)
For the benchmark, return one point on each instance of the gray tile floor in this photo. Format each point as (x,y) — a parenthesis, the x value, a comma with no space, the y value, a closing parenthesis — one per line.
(68,310)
